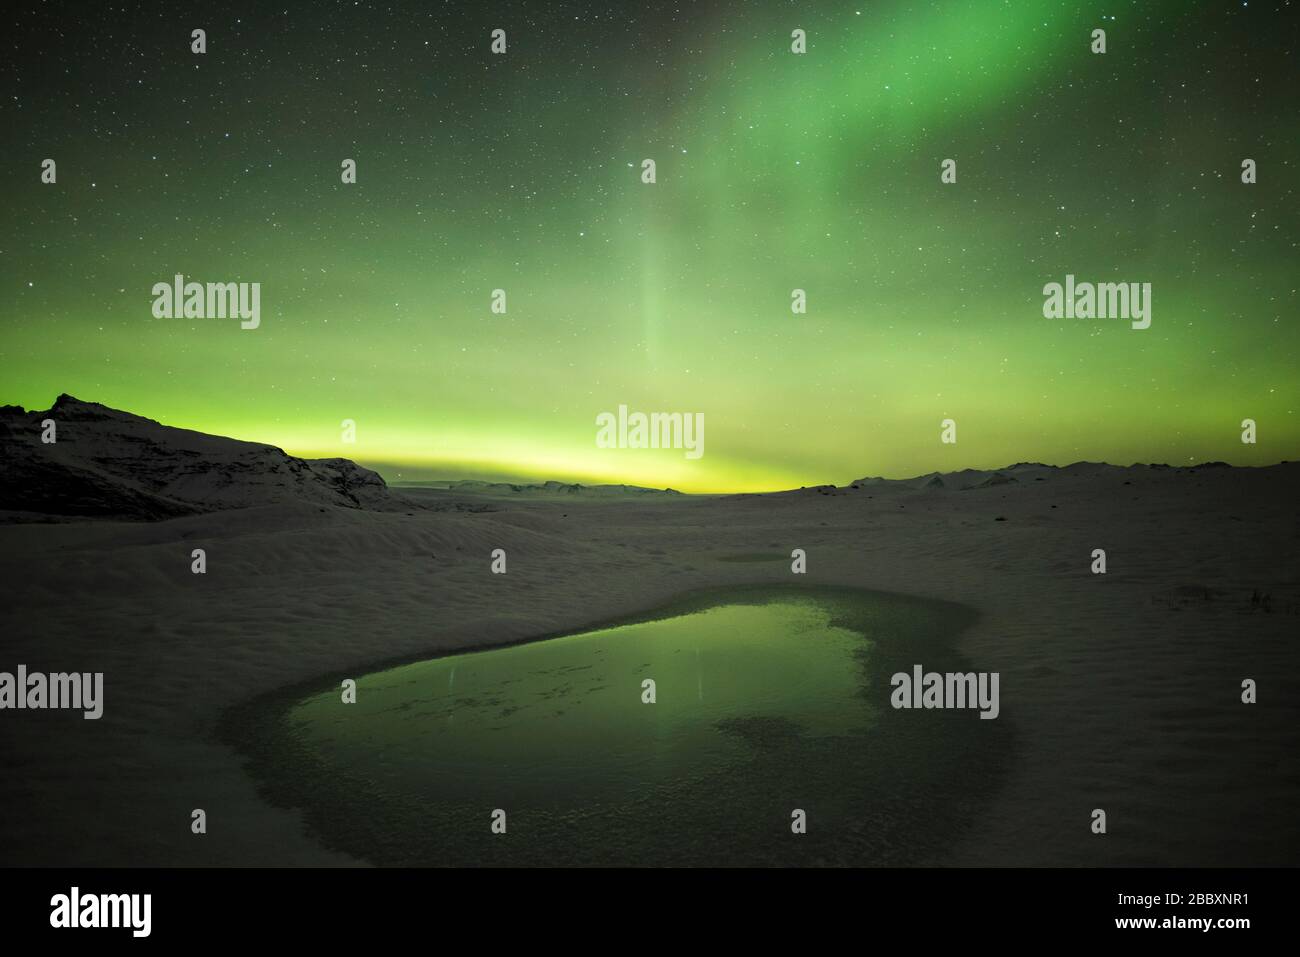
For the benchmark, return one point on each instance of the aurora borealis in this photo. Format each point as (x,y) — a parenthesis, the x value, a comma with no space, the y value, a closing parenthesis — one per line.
(774,171)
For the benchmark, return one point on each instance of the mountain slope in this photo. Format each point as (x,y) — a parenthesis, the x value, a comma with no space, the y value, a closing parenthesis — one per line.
(109,463)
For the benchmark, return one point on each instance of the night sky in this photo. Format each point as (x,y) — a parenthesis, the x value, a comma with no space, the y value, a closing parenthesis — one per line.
(775,171)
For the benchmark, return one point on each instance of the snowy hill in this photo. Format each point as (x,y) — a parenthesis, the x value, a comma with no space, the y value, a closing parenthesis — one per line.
(109,463)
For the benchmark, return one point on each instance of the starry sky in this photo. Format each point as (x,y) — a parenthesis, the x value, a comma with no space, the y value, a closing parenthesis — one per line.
(774,171)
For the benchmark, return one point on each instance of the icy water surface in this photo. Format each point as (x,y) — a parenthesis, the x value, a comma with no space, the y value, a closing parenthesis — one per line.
(765,702)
